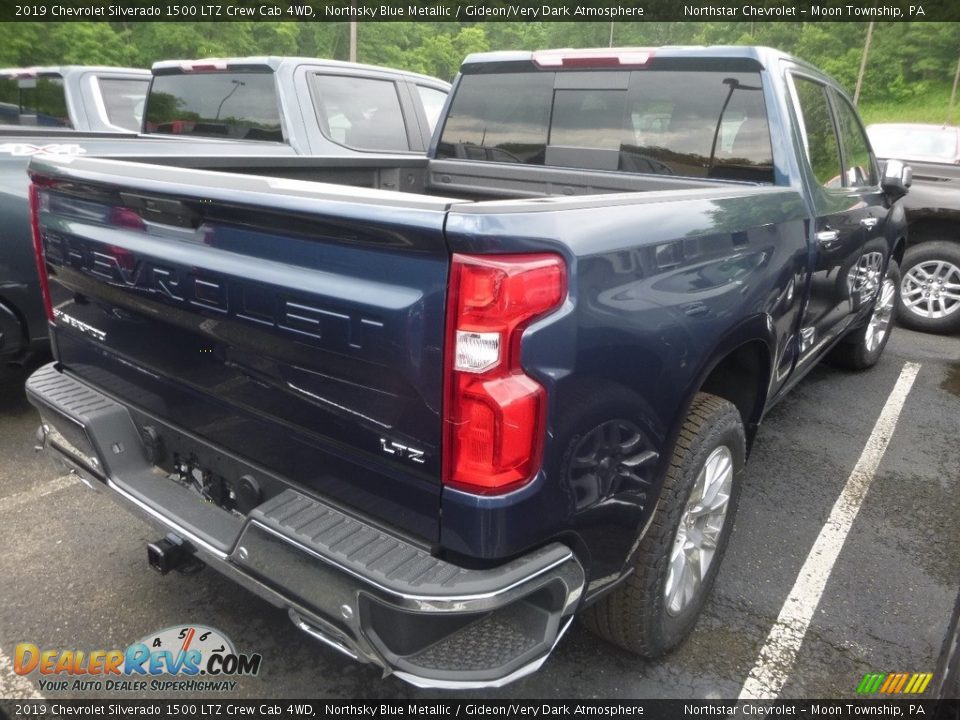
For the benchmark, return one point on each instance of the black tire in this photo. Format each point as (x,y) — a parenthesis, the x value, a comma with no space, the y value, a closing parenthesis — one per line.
(635,615)
(938,250)
(859,351)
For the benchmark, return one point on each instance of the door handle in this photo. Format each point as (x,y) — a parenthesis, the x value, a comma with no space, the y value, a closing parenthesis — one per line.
(828,238)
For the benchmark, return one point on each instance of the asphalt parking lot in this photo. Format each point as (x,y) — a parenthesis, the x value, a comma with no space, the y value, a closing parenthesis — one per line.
(74,572)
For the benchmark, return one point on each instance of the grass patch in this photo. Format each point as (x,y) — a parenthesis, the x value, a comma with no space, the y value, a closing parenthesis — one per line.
(930,107)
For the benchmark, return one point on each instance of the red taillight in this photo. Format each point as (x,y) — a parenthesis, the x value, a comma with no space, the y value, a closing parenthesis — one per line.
(38,249)
(203,66)
(495,414)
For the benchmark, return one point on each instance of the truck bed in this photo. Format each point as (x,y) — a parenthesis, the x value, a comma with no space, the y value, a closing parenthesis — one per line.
(463,181)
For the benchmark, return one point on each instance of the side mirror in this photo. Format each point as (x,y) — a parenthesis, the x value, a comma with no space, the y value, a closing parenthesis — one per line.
(897,178)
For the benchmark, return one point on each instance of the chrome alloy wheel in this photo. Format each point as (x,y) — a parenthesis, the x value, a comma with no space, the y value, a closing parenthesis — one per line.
(699,532)
(864,277)
(879,324)
(931,289)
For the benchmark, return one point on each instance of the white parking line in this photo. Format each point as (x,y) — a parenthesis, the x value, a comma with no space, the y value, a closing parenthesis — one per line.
(778,654)
(28,496)
(13,686)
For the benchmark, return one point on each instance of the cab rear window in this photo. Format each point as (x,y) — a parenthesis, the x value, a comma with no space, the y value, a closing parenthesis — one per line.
(702,124)
(235,105)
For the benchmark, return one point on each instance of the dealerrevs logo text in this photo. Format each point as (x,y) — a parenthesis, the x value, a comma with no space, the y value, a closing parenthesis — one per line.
(180,651)
(137,659)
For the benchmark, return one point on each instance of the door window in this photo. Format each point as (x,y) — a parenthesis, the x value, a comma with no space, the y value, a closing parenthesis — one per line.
(433,101)
(823,147)
(859,169)
(123,100)
(360,113)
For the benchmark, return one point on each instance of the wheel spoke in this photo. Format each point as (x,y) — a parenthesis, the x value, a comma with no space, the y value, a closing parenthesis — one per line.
(887,295)
(691,579)
(582,463)
(612,437)
(626,473)
(696,568)
(631,445)
(696,496)
(711,537)
(675,580)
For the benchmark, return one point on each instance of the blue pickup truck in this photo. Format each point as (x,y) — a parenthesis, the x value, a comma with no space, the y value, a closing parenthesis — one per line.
(435,407)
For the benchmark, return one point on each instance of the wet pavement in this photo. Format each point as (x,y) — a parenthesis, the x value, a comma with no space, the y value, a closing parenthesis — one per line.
(75,575)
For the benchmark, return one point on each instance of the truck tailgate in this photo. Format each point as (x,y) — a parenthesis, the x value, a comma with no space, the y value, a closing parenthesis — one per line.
(299,324)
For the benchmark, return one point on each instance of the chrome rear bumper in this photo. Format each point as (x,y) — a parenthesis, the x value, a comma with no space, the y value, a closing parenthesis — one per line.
(374,596)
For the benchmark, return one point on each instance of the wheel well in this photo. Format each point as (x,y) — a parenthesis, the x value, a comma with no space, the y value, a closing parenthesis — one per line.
(21,320)
(741,377)
(898,250)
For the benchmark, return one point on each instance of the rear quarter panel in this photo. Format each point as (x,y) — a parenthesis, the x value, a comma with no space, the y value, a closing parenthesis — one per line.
(660,287)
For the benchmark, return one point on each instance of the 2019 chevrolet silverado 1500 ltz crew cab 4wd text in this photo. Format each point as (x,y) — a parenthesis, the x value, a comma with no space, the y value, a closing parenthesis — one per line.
(257,115)
(514,380)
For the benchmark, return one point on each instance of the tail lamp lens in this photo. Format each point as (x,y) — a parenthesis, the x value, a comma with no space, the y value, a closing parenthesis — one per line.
(494,413)
(36,201)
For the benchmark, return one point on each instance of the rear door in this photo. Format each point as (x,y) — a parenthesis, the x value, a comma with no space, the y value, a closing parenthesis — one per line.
(296,325)
(114,101)
(840,222)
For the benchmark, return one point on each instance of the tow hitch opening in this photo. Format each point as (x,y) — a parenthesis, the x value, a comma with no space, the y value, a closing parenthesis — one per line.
(172,554)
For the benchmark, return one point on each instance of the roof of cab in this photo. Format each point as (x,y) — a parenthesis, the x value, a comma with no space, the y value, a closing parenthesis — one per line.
(762,56)
(755,52)
(734,57)
(274,63)
(64,70)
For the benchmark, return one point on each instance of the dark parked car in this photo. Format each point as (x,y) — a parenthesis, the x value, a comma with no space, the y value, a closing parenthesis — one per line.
(435,406)
(930,284)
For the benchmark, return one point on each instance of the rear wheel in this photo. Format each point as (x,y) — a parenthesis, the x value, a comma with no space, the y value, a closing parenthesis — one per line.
(930,288)
(655,608)
(864,346)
